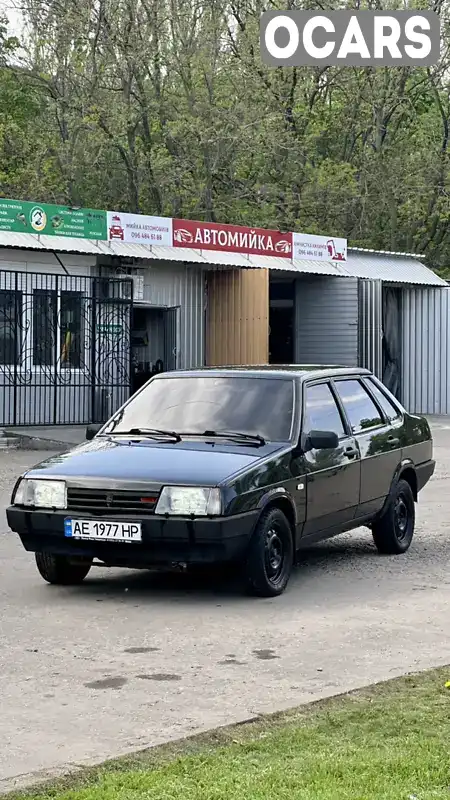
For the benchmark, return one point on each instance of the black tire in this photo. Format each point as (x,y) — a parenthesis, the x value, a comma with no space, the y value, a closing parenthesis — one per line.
(60,570)
(270,556)
(393,532)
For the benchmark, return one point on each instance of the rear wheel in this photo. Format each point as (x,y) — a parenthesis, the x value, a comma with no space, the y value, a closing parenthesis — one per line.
(394,531)
(270,556)
(60,570)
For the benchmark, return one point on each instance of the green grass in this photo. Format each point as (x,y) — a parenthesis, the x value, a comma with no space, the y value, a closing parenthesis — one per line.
(390,742)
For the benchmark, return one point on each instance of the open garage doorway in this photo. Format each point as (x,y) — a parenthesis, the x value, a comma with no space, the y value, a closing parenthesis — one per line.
(281,321)
(154,348)
(391,342)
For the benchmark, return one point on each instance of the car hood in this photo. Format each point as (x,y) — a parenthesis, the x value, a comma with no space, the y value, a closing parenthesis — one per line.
(114,462)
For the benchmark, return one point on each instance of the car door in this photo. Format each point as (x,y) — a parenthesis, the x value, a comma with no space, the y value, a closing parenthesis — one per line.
(378,439)
(332,476)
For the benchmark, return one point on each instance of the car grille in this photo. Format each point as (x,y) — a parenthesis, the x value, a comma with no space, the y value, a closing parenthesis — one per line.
(104,501)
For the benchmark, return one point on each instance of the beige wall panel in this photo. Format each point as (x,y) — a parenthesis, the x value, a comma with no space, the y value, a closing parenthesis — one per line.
(237,317)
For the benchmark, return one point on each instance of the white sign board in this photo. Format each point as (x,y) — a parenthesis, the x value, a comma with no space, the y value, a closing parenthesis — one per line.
(318,248)
(139,229)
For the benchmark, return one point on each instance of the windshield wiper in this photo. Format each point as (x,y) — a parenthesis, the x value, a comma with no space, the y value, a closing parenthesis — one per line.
(251,437)
(151,432)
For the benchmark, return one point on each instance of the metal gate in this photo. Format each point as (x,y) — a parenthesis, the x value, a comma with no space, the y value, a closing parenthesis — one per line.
(65,348)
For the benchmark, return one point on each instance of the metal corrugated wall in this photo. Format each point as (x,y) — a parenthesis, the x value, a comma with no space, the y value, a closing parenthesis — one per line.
(371,326)
(167,285)
(426,350)
(326,321)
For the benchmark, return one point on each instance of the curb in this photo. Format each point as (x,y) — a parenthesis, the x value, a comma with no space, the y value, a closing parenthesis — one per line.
(36,443)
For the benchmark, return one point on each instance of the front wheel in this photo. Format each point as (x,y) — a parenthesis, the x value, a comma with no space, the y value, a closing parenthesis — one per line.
(60,570)
(270,556)
(394,531)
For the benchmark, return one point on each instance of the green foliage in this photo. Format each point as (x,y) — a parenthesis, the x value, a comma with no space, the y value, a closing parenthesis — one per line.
(163,106)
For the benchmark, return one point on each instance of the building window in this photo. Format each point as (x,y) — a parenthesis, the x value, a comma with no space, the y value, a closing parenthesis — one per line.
(44,327)
(10,326)
(52,327)
(71,330)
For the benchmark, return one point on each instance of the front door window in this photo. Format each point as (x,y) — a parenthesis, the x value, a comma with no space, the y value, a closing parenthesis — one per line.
(321,411)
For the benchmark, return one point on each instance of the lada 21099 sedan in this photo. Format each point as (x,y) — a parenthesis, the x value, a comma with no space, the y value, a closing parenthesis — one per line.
(243,465)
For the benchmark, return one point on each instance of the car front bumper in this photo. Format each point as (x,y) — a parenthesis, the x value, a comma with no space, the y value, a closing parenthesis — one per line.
(164,541)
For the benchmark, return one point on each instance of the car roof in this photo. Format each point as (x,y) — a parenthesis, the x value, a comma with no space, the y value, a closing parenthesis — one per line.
(301,371)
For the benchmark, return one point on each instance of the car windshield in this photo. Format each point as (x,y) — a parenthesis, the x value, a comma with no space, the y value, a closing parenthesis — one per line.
(257,406)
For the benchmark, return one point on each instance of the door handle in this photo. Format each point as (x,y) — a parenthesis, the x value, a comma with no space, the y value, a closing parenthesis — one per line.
(393,441)
(351,452)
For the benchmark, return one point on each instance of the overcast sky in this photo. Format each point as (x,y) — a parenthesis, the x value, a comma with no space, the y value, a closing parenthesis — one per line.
(8,9)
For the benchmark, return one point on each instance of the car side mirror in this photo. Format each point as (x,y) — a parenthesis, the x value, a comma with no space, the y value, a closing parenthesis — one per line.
(321,440)
(92,431)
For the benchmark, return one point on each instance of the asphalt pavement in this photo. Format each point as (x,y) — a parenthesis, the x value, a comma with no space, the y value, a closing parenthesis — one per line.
(129,659)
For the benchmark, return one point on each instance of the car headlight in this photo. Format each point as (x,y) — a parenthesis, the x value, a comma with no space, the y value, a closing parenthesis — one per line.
(40,493)
(187,501)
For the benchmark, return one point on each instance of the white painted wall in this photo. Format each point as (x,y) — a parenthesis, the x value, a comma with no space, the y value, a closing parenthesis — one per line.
(41,261)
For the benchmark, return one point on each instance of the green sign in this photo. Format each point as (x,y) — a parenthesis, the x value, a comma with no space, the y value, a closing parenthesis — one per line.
(24,217)
(115,330)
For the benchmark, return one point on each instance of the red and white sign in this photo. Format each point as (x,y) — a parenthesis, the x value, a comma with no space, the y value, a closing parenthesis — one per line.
(139,229)
(233,239)
(142,229)
(319,248)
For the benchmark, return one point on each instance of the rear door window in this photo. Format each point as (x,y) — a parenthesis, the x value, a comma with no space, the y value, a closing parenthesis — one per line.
(361,411)
(389,409)
(321,411)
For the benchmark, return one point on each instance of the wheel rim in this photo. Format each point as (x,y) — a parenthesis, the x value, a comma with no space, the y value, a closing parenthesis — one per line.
(274,555)
(401,518)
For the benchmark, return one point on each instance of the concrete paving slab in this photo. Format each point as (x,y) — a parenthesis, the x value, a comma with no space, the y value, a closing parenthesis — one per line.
(52,437)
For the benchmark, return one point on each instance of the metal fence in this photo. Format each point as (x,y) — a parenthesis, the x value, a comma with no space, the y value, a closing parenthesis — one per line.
(65,348)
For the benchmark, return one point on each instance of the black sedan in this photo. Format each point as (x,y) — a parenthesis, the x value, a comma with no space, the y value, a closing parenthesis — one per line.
(243,465)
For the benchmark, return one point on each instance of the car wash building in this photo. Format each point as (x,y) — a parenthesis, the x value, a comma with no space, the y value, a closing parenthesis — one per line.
(93,303)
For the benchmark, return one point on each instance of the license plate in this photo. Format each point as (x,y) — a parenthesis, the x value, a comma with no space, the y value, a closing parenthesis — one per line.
(102,529)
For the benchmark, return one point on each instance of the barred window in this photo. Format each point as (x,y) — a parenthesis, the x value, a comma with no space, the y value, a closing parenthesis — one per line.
(10,326)
(71,330)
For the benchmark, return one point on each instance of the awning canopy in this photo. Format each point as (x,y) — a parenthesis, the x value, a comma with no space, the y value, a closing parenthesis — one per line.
(396,268)
(391,268)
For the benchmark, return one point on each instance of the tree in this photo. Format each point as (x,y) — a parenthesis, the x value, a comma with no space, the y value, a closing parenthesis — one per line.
(165,107)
